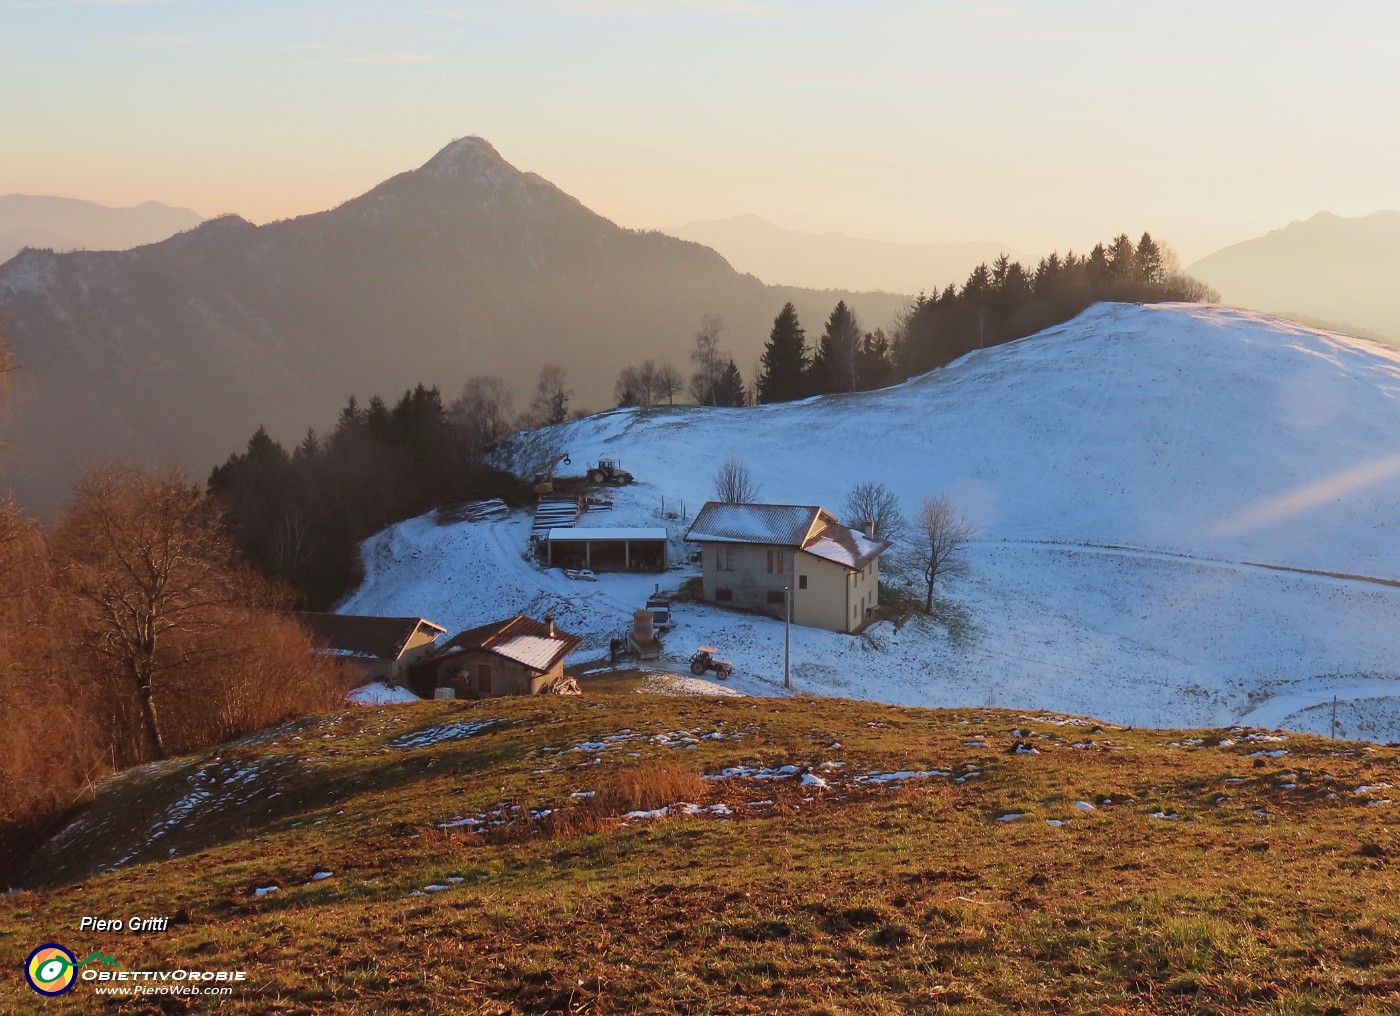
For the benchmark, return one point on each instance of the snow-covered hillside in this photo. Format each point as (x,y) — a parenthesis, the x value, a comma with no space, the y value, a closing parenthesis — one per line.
(1156,489)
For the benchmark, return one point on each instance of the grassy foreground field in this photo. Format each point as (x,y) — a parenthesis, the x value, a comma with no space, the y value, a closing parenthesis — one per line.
(972,861)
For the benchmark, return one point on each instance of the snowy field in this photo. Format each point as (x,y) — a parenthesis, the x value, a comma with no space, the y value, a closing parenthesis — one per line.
(1156,489)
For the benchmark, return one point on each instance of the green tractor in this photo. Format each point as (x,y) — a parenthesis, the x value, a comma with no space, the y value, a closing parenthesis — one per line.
(610,471)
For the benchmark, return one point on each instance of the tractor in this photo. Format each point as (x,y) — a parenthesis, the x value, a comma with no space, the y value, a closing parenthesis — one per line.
(705,660)
(609,471)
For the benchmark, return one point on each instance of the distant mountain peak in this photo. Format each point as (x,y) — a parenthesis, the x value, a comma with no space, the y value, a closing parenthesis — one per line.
(469,156)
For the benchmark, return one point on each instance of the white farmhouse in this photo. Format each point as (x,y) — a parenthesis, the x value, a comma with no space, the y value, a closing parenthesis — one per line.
(751,552)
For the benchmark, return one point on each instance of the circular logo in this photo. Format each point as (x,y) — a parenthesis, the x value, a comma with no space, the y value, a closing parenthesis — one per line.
(50,969)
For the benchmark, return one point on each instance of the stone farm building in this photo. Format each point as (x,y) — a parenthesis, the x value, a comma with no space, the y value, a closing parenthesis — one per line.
(516,656)
(380,648)
(750,552)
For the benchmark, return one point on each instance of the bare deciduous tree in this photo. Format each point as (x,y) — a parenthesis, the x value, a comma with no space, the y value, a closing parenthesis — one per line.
(942,532)
(668,383)
(481,414)
(734,484)
(47,752)
(709,362)
(150,573)
(875,503)
(550,403)
(635,386)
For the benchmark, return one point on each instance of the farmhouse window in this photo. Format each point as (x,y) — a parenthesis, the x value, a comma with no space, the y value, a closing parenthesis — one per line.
(724,558)
(802,582)
(775,562)
(776,596)
(724,596)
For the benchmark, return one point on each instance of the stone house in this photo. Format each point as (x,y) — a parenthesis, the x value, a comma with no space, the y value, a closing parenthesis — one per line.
(516,656)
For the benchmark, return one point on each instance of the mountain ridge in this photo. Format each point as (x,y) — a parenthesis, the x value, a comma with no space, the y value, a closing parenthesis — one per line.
(178,350)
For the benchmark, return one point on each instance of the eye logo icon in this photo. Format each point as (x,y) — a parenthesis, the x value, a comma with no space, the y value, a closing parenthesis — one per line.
(51,969)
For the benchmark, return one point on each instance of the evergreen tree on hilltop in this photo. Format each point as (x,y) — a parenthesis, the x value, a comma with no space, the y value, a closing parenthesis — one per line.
(1149,261)
(729,389)
(1122,256)
(874,361)
(377,418)
(834,365)
(784,361)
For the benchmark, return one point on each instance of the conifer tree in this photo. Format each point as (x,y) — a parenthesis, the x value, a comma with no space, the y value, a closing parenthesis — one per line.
(782,377)
(1121,256)
(1148,261)
(875,366)
(377,417)
(834,365)
(729,389)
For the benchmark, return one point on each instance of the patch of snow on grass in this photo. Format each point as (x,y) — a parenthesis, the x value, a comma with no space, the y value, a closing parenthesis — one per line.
(443,732)
(377,693)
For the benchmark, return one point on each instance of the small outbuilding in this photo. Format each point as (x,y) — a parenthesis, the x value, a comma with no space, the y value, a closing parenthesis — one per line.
(381,648)
(603,550)
(516,656)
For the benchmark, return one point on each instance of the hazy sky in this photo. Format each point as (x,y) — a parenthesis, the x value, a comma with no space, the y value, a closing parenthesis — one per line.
(1035,124)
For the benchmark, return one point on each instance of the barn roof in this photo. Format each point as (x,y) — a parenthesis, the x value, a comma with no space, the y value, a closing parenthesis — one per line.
(519,639)
(364,637)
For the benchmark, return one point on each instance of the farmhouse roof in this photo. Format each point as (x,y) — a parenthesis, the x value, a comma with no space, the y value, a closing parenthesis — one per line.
(365,637)
(537,645)
(810,528)
(845,546)
(783,524)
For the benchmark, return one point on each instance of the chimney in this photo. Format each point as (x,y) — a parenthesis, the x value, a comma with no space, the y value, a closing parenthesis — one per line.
(549,624)
(870,529)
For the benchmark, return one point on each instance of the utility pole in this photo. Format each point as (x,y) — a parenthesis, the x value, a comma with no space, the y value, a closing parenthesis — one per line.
(1334,717)
(787,639)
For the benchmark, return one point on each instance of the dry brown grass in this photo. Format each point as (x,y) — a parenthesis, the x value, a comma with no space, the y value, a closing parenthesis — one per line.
(648,787)
(567,822)
(1271,895)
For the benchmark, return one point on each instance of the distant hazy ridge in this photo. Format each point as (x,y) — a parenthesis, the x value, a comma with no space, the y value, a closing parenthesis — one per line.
(827,260)
(71,224)
(1328,269)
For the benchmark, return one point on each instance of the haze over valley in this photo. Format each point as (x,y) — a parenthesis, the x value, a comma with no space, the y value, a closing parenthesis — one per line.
(176,351)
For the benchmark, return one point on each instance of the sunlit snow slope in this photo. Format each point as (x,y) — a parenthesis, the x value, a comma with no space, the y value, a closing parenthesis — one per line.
(1156,488)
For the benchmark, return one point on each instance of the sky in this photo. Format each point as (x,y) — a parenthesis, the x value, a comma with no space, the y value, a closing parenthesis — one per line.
(1039,124)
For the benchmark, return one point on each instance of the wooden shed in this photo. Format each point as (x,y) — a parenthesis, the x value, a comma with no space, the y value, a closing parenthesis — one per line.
(606,549)
(380,648)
